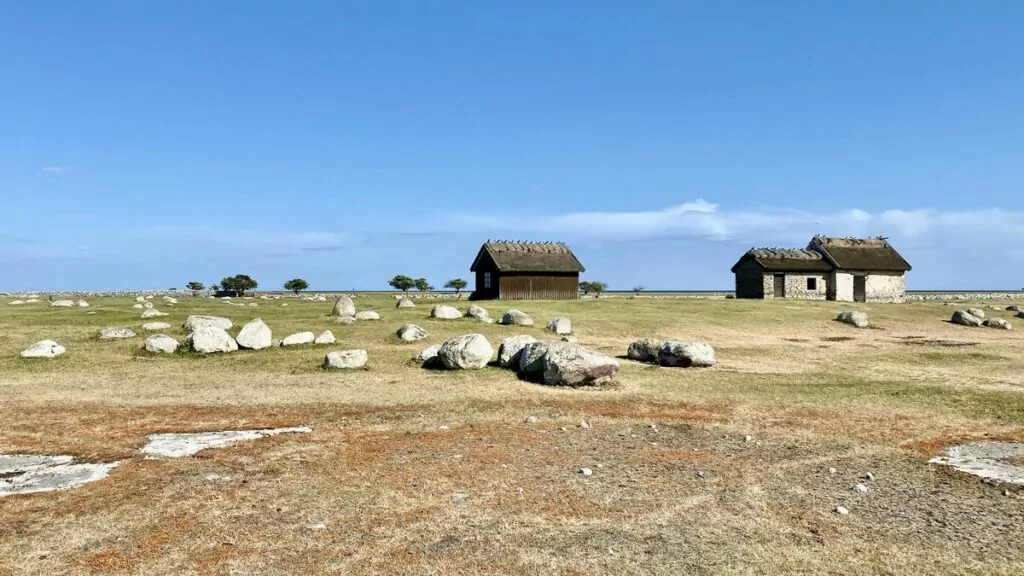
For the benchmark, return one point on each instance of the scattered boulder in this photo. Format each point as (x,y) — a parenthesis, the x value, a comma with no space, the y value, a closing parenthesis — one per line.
(82,303)
(516,318)
(209,339)
(686,354)
(1013,308)
(345,320)
(161,343)
(254,335)
(137,306)
(478,312)
(43,349)
(429,353)
(147,305)
(445,312)
(63,303)
(531,357)
(998,323)
(299,338)
(140,298)
(560,325)
(116,333)
(16,302)
(153,313)
(508,351)
(976,312)
(325,337)
(574,365)
(195,321)
(405,302)
(854,318)
(367,315)
(411,333)
(154,326)
(344,306)
(346,359)
(965,318)
(466,352)
(645,350)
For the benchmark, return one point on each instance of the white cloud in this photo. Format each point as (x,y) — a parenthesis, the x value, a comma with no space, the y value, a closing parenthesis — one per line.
(53,169)
(701,219)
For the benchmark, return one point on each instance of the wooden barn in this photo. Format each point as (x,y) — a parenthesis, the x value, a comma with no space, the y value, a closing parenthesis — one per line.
(526,270)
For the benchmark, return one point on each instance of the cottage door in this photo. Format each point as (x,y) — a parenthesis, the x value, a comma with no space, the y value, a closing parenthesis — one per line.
(860,288)
(780,285)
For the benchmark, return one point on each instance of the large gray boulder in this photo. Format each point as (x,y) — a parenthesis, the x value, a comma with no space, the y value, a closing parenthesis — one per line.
(429,353)
(153,313)
(209,339)
(976,312)
(508,351)
(195,321)
(998,323)
(346,359)
(63,303)
(255,335)
(445,312)
(325,337)
(465,352)
(298,338)
(155,326)
(516,318)
(854,318)
(645,350)
(405,302)
(411,333)
(344,306)
(43,349)
(116,333)
(531,357)
(161,343)
(560,325)
(478,312)
(367,315)
(687,354)
(965,318)
(574,365)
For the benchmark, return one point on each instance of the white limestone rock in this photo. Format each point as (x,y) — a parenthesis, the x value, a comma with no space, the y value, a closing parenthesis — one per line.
(510,348)
(344,306)
(965,318)
(466,352)
(161,343)
(63,303)
(367,315)
(574,365)
(299,338)
(687,354)
(411,333)
(445,312)
(155,326)
(255,335)
(43,349)
(560,325)
(405,302)
(116,333)
(325,337)
(346,359)
(209,339)
(645,350)
(853,318)
(516,318)
(195,321)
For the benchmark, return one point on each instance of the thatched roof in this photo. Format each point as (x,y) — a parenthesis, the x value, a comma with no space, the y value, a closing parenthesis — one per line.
(529,257)
(786,260)
(860,253)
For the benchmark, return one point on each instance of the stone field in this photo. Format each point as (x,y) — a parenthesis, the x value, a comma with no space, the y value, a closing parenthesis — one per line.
(377,435)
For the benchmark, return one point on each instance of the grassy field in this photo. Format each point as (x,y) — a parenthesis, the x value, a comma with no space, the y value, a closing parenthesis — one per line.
(410,471)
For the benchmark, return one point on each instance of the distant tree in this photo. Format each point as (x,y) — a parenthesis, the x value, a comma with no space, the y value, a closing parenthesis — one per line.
(422,285)
(195,287)
(638,289)
(296,285)
(402,282)
(594,286)
(215,287)
(456,284)
(239,283)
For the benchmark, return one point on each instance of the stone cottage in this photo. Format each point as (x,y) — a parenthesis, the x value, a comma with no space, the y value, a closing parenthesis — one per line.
(845,269)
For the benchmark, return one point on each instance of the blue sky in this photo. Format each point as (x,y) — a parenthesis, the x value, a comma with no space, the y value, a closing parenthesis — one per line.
(146,144)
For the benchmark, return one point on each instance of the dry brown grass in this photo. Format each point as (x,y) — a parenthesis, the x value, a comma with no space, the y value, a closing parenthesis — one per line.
(676,489)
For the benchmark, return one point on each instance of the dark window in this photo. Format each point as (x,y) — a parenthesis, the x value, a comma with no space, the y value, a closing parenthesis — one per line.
(487,279)
(812,283)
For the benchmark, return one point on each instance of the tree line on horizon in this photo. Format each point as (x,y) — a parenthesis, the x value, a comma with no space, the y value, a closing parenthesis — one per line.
(242,283)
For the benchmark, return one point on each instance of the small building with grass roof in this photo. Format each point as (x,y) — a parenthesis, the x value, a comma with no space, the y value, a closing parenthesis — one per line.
(526,270)
(830,268)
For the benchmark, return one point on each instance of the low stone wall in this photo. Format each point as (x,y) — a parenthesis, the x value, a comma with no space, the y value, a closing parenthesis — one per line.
(960,296)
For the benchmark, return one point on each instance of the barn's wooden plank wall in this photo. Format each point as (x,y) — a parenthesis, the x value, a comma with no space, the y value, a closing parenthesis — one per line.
(530,287)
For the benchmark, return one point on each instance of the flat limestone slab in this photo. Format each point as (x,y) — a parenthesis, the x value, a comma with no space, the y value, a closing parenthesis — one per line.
(986,459)
(28,474)
(178,445)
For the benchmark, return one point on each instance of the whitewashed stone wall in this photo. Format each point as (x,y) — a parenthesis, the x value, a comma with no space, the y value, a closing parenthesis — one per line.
(796,286)
(882,287)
